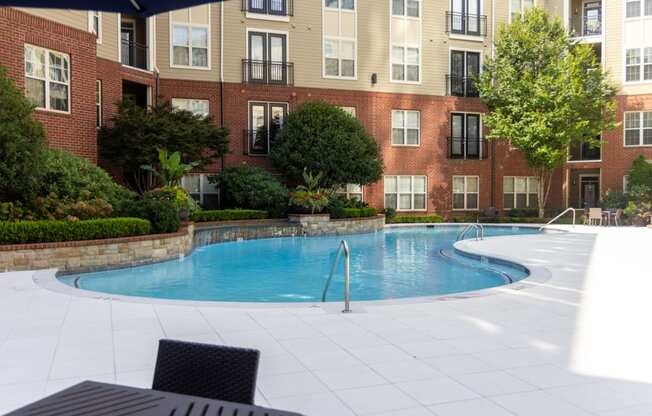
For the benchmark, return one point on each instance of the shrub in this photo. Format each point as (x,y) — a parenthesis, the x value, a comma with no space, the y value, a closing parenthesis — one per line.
(614,200)
(521,212)
(357,212)
(228,215)
(176,196)
(413,219)
(640,172)
(162,215)
(321,137)
(23,232)
(390,213)
(22,144)
(69,177)
(252,187)
(11,211)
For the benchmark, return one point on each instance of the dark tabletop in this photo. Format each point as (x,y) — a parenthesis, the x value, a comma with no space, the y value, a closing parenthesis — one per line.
(99,399)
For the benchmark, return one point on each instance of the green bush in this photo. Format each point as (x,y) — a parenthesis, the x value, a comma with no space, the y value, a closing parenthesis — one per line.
(176,196)
(23,232)
(614,200)
(414,219)
(228,215)
(319,137)
(251,187)
(390,213)
(640,173)
(162,215)
(522,212)
(70,177)
(356,213)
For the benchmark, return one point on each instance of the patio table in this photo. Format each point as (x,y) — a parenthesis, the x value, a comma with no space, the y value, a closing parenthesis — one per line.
(91,398)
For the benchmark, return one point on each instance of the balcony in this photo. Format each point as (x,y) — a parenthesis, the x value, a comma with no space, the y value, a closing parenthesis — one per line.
(270,7)
(267,72)
(466,24)
(134,42)
(582,152)
(461,86)
(467,148)
(585,26)
(257,142)
(133,54)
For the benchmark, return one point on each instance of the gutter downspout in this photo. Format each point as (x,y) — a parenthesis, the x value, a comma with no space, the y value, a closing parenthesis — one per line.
(221,196)
(493,142)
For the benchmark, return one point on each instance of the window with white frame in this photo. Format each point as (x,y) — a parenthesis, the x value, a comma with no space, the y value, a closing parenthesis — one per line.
(98,103)
(95,24)
(201,190)
(406,193)
(197,107)
(638,64)
(351,191)
(518,7)
(340,38)
(638,8)
(405,52)
(638,128)
(520,192)
(466,190)
(47,78)
(349,110)
(406,128)
(190,37)
(626,183)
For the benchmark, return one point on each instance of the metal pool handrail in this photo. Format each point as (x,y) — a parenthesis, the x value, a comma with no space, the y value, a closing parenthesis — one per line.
(347,279)
(559,216)
(479,231)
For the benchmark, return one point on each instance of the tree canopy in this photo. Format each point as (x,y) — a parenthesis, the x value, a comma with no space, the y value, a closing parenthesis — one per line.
(545,92)
(320,137)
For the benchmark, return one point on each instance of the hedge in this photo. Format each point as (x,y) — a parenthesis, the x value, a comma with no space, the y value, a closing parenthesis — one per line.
(24,232)
(357,212)
(228,215)
(412,219)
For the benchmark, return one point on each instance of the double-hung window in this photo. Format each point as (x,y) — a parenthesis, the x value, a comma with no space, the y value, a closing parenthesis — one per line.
(351,191)
(95,24)
(406,128)
(201,190)
(340,38)
(638,64)
(518,7)
(406,193)
(47,78)
(520,192)
(638,8)
(465,68)
(190,37)
(638,128)
(197,107)
(466,190)
(405,52)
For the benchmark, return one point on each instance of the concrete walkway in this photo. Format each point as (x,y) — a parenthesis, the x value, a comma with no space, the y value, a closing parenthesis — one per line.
(578,343)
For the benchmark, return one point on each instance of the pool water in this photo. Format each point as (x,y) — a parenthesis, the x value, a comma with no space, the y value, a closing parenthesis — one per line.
(390,264)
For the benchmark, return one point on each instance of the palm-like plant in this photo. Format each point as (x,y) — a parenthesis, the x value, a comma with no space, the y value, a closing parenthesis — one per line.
(171,169)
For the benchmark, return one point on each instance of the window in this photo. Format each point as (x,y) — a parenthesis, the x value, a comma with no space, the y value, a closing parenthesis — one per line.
(267,58)
(95,24)
(405,193)
(349,110)
(98,103)
(405,48)
(638,128)
(637,69)
(351,191)
(201,190)
(265,120)
(190,36)
(466,136)
(520,192)
(406,126)
(634,8)
(518,7)
(626,183)
(465,17)
(197,107)
(275,7)
(339,38)
(464,68)
(47,78)
(465,192)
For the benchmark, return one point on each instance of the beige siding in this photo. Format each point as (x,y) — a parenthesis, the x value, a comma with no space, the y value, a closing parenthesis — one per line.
(163,49)
(108,49)
(73,18)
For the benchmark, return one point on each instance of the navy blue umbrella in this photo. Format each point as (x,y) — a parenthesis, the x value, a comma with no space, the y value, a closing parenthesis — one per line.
(144,8)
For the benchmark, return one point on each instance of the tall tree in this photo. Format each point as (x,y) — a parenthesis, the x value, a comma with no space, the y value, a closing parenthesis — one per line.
(545,92)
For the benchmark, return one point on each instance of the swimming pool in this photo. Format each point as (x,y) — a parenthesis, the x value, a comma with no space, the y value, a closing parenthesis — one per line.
(394,263)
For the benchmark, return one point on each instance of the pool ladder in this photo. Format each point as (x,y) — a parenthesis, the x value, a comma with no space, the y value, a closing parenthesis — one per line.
(347,278)
(479,231)
(573,210)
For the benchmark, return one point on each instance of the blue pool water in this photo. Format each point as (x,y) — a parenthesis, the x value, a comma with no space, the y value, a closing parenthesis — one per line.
(394,263)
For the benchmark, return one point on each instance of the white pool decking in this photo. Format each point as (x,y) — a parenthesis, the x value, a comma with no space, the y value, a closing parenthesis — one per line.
(577,343)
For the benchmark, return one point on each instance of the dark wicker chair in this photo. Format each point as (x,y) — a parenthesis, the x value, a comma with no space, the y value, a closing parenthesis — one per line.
(209,371)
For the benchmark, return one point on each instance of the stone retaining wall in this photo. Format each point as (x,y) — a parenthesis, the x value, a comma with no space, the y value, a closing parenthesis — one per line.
(84,256)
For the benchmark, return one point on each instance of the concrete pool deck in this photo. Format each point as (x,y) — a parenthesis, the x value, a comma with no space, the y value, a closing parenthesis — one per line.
(575,344)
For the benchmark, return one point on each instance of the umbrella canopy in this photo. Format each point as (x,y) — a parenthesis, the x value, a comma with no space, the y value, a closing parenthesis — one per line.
(144,8)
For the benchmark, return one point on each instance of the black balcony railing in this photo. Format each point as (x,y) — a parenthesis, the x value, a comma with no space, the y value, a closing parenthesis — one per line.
(272,7)
(466,24)
(267,72)
(579,152)
(461,86)
(466,148)
(585,26)
(257,142)
(134,54)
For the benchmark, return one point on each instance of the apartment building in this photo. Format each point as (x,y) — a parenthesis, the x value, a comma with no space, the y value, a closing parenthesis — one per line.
(402,67)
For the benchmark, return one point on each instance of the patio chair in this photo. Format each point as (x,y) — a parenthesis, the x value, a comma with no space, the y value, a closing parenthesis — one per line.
(618,216)
(209,371)
(595,216)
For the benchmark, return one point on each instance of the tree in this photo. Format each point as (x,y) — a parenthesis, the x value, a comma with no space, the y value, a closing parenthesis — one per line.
(171,170)
(545,93)
(323,138)
(22,144)
(135,135)
(640,173)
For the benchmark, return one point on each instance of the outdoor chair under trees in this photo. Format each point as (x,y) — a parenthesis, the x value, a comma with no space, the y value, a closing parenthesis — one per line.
(209,371)
(595,216)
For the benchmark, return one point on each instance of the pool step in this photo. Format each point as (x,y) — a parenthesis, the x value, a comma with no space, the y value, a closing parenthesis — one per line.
(450,255)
